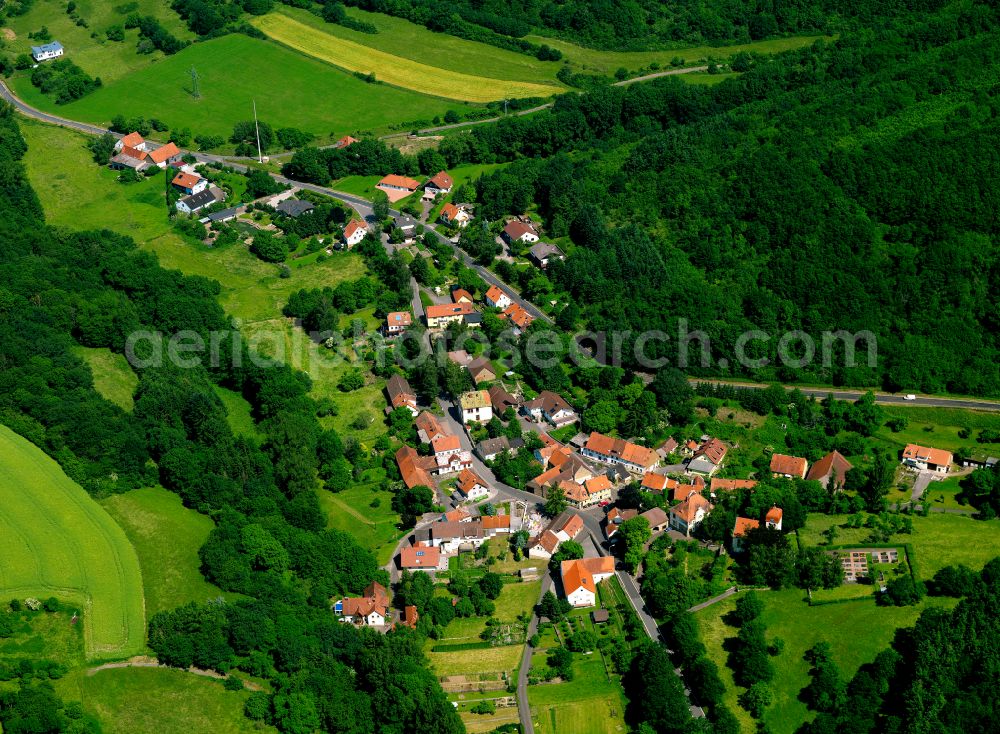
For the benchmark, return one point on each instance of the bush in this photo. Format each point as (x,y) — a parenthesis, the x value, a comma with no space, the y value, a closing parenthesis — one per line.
(484,707)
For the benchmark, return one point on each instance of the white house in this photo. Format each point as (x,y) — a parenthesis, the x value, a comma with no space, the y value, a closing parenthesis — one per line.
(47,51)
(189,183)
(354,232)
(204,198)
(371,610)
(927,459)
(471,486)
(496,298)
(550,407)
(476,407)
(133,140)
(580,578)
(740,529)
(517,231)
(440,183)
(689,514)
(456,216)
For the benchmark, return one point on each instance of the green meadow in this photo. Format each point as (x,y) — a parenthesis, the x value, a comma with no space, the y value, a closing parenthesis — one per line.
(166,701)
(373,527)
(55,540)
(290,89)
(113,377)
(166,536)
(608,62)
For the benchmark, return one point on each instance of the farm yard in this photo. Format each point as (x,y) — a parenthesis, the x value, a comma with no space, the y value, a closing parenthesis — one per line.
(290,89)
(55,540)
(395,70)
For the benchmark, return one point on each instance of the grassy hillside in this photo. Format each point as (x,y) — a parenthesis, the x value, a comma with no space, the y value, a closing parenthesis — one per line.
(95,54)
(55,540)
(291,90)
(166,536)
(130,700)
(420,75)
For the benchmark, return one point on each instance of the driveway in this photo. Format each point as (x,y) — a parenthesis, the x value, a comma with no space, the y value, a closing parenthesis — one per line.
(921,483)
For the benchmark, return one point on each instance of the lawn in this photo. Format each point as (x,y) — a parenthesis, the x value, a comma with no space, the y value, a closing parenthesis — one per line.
(856,631)
(938,540)
(43,636)
(417,43)
(113,377)
(589,704)
(608,62)
(394,70)
(55,540)
(166,536)
(167,701)
(98,56)
(290,89)
(373,527)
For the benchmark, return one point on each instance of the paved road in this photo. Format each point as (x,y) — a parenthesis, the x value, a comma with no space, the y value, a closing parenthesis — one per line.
(523,707)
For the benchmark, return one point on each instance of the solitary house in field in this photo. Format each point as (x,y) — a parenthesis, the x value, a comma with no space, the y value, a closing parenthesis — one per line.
(922,457)
(47,51)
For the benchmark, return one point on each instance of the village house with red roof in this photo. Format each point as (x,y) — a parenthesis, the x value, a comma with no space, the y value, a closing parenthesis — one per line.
(789,467)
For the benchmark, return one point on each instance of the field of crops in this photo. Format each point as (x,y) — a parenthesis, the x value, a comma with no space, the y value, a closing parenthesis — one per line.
(392,69)
(55,540)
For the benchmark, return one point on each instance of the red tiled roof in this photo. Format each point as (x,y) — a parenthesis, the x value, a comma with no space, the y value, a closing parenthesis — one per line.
(442,180)
(626,451)
(353,226)
(683,491)
(833,465)
(494,293)
(410,468)
(688,509)
(132,140)
(580,573)
(399,318)
(467,481)
(774,515)
(731,485)
(345,141)
(940,457)
(164,152)
(449,442)
(495,522)
(597,484)
(410,616)
(792,465)
(401,182)
(518,315)
(572,526)
(429,424)
(743,525)
(460,294)
(713,450)
(139,155)
(185,180)
(419,556)
(456,515)
(515,229)
(440,310)
(654,482)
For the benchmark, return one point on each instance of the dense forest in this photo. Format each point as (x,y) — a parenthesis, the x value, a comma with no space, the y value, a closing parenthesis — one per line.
(849,186)
(60,288)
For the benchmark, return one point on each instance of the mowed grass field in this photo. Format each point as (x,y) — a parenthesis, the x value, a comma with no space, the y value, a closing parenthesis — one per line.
(291,90)
(55,540)
(939,428)
(392,69)
(113,377)
(589,704)
(166,701)
(373,527)
(166,536)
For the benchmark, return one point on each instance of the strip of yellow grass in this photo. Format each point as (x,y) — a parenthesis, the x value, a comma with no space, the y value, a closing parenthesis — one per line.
(392,69)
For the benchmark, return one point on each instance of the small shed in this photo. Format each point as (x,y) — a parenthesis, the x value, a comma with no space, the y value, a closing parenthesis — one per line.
(600,616)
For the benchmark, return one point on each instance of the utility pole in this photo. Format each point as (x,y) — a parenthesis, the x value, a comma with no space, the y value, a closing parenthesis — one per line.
(195,88)
(256,127)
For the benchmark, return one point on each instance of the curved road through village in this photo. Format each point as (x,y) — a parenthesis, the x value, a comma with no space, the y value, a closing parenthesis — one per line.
(505,492)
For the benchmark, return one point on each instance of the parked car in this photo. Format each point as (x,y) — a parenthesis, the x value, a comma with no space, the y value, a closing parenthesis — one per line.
(909,396)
